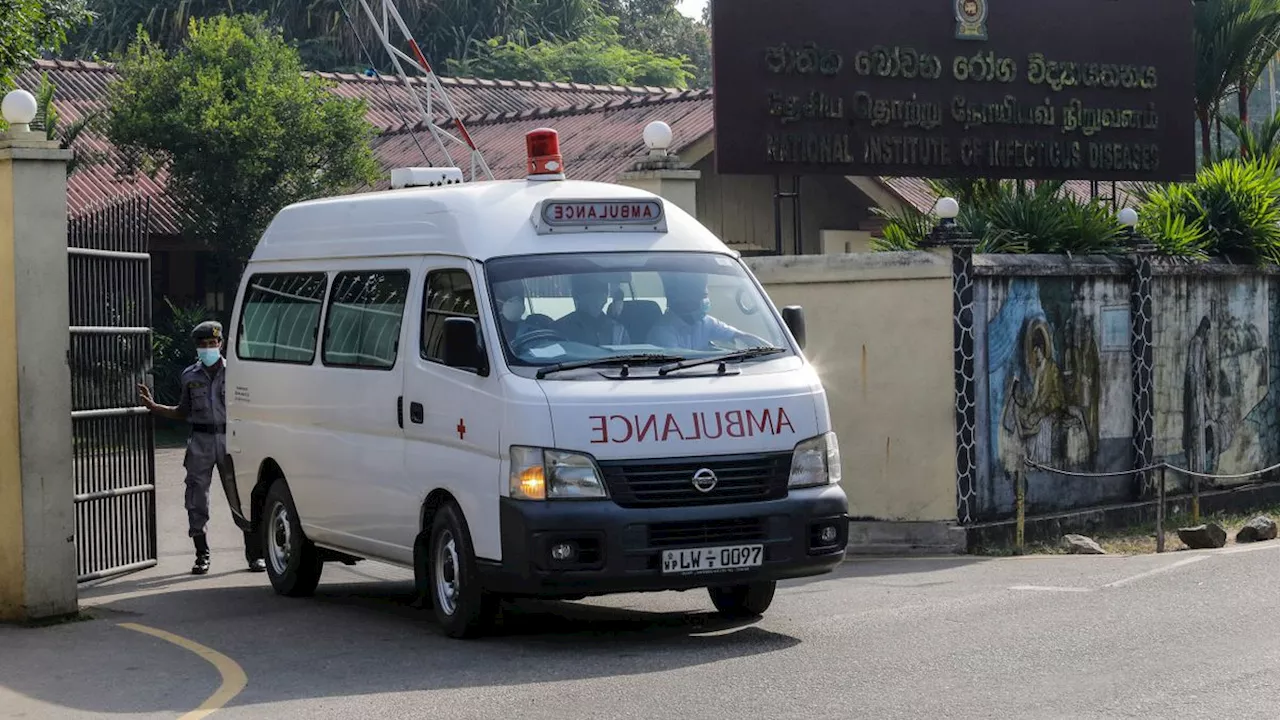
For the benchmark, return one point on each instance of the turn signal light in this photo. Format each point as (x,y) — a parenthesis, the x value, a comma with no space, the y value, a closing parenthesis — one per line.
(533,483)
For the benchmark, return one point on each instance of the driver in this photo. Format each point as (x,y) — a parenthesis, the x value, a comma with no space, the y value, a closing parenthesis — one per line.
(588,323)
(686,324)
(511,306)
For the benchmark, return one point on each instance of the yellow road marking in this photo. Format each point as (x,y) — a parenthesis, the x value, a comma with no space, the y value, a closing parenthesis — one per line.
(233,677)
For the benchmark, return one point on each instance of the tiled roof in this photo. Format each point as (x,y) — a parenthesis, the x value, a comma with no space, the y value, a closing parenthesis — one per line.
(600,126)
(597,140)
(916,192)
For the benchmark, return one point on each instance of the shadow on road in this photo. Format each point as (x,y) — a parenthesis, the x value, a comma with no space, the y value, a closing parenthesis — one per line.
(355,639)
(867,567)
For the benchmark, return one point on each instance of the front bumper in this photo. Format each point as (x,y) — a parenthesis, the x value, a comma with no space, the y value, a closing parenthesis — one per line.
(620,549)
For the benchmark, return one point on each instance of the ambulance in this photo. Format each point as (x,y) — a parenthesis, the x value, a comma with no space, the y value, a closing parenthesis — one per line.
(528,388)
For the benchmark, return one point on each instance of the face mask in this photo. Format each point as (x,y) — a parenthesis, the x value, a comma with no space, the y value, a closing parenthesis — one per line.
(701,311)
(209,356)
(513,309)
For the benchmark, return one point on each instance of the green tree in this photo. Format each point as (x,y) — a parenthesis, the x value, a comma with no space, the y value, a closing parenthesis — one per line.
(598,58)
(240,131)
(660,27)
(29,26)
(328,41)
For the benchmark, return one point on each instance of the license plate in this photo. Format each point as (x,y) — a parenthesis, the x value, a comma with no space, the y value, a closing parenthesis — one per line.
(690,561)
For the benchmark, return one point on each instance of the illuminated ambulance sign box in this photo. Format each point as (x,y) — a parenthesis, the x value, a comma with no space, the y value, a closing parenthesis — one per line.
(579,216)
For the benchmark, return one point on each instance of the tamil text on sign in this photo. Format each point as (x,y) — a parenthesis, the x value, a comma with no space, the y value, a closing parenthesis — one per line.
(1052,89)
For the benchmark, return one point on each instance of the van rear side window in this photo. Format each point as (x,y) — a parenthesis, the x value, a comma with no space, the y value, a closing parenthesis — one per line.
(366,311)
(280,320)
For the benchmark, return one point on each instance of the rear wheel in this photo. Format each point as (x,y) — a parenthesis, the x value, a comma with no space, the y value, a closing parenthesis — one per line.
(743,601)
(461,604)
(293,562)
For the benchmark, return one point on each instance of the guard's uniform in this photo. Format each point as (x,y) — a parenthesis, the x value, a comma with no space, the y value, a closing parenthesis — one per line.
(204,404)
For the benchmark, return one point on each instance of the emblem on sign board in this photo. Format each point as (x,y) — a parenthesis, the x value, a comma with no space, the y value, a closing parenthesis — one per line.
(971,19)
(704,480)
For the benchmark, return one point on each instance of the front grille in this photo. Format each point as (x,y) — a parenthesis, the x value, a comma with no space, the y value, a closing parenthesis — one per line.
(706,532)
(667,483)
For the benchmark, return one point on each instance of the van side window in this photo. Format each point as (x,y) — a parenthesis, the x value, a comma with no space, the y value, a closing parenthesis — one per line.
(280,317)
(366,311)
(449,294)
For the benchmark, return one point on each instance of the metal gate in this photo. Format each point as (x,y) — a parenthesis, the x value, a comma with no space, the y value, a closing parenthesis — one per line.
(114,439)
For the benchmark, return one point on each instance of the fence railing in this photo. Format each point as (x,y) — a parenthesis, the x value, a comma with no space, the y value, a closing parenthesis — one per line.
(1162,468)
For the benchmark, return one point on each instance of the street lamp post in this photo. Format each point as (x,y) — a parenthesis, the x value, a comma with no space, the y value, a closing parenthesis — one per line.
(1135,242)
(947,233)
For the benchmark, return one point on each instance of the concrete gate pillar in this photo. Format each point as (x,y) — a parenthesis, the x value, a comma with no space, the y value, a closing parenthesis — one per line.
(37,490)
(664,175)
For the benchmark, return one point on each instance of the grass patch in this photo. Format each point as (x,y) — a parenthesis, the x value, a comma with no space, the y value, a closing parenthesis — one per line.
(1141,539)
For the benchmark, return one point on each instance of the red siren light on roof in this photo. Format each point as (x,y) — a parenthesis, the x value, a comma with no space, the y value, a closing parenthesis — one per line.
(545,161)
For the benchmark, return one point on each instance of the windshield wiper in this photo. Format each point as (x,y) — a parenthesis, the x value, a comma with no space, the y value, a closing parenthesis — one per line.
(747,354)
(604,362)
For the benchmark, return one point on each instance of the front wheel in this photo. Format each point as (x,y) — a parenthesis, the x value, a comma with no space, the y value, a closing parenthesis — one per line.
(461,604)
(293,562)
(743,601)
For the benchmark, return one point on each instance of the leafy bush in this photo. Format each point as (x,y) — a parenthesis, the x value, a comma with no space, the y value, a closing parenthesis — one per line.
(1008,219)
(1232,210)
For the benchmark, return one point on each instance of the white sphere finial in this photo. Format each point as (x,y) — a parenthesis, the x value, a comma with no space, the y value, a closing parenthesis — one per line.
(1128,217)
(947,208)
(657,136)
(19,109)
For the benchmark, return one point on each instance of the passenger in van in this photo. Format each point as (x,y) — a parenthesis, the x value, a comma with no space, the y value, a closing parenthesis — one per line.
(687,325)
(589,323)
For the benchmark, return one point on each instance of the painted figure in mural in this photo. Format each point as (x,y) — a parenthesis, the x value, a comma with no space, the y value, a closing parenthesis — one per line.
(1043,401)
(1199,388)
(1083,379)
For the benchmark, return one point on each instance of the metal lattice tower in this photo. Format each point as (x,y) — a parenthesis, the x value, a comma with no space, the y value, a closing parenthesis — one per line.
(437,112)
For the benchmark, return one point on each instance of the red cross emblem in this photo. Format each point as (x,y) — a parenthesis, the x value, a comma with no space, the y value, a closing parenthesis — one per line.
(462,429)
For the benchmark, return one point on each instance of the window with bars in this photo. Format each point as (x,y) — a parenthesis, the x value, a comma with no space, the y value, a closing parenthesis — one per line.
(280,319)
(366,313)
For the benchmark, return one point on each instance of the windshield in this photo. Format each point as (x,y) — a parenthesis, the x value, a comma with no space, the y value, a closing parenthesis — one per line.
(555,309)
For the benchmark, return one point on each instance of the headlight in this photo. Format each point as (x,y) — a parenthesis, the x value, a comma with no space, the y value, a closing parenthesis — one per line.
(816,462)
(540,474)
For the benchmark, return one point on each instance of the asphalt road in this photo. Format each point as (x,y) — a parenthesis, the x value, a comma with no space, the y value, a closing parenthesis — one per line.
(1188,634)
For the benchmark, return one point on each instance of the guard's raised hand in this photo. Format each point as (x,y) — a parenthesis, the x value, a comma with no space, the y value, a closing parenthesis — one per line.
(144,394)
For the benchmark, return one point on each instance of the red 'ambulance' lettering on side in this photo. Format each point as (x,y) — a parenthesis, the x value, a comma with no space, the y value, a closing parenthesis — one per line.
(670,427)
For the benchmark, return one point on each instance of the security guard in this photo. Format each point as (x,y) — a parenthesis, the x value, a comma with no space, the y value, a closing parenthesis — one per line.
(203,404)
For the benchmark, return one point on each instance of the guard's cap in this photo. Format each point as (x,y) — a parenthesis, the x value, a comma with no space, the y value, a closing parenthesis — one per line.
(208,330)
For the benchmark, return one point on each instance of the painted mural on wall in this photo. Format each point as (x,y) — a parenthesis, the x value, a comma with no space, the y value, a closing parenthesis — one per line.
(1056,355)
(1215,405)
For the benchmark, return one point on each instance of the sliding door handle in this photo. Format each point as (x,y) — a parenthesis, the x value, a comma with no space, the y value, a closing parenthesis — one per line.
(415,413)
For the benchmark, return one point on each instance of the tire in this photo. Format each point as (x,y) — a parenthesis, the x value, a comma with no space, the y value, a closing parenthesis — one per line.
(462,606)
(743,601)
(293,562)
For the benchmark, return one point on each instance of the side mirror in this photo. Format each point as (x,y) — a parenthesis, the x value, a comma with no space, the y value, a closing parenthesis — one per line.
(793,316)
(462,347)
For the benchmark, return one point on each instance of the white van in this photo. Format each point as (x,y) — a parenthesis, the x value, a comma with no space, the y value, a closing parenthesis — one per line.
(524,388)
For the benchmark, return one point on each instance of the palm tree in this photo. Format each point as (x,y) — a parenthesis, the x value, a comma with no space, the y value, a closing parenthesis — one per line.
(1233,41)
(1260,33)
(1261,141)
